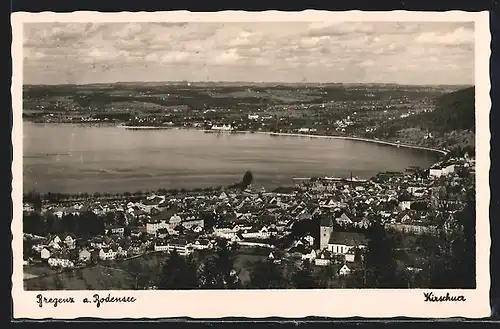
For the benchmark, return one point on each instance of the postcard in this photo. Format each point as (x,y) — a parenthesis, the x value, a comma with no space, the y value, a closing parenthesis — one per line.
(250,164)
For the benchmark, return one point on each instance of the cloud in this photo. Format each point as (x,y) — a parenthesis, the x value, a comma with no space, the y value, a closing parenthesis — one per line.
(459,36)
(227,57)
(367,63)
(175,57)
(311,50)
(336,29)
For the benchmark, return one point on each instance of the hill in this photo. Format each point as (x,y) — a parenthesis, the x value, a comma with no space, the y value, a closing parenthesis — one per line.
(451,125)
(454,111)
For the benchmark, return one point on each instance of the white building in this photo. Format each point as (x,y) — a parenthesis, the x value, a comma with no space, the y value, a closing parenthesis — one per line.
(60,262)
(343,242)
(222,128)
(154,225)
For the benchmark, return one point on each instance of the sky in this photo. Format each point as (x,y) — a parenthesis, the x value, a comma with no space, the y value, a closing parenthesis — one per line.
(427,53)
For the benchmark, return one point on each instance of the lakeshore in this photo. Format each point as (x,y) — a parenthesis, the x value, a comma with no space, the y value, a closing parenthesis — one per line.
(361,139)
(353,138)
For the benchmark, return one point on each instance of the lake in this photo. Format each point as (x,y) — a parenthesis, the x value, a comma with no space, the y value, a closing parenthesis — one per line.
(70,159)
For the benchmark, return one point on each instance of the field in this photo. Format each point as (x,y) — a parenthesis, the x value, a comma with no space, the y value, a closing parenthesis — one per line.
(115,275)
(33,271)
(90,278)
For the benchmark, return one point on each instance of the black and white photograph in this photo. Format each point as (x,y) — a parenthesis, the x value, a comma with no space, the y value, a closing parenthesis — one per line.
(251,155)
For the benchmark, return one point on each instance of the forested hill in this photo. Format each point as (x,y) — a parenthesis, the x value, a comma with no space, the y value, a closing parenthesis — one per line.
(454,111)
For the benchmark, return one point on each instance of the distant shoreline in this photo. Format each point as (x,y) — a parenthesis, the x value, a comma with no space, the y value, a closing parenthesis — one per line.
(443,152)
(145,127)
(361,139)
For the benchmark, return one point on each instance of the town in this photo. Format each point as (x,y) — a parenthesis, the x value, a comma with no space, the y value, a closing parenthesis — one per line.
(415,115)
(323,225)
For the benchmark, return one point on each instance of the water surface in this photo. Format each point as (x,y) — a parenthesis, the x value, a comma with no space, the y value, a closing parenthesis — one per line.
(71,159)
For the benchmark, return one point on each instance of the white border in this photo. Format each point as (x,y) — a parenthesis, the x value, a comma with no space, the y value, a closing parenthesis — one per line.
(254,303)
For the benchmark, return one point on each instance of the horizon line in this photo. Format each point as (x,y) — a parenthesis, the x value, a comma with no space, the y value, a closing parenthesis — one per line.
(250,82)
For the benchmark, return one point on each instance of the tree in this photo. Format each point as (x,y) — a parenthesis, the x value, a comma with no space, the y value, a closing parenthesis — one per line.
(247,179)
(457,270)
(34,198)
(267,275)
(303,278)
(327,276)
(27,248)
(380,258)
(217,272)
(178,273)
(32,223)
(419,206)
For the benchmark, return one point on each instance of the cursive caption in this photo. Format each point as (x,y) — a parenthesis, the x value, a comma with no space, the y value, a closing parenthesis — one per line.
(430,297)
(96,299)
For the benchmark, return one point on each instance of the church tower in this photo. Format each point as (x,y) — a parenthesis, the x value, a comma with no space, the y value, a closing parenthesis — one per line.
(325,231)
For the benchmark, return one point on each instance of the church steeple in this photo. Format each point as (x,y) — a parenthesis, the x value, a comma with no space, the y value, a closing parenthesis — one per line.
(325,231)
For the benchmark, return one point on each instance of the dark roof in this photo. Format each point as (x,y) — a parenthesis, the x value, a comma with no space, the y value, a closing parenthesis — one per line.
(348,238)
(163,215)
(284,190)
(326,221)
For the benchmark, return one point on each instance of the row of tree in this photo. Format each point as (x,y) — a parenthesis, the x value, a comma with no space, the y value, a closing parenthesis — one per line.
(84,225)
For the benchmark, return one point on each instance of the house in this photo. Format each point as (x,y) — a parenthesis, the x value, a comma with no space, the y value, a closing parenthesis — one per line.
(362,223)
(202,244)
(70,240)
(309,239)
(323,258)
(297,243)
(334,202)
(345,270)
(344,219)
(28,207)
(309,255)
(136,248)
(405,205)
(120,251)
(38,247)
(442,170)
(148,205)
(118,230)
(224,230)
(154,225)
(162,233)
(402,217)
(98,243)
(350,255)
(238,237)
(262,233)
(84,255)
(193,223)
(413,228)
(55,242)
(60,262)
(182,247)
(342,242)
(175,220)
(197,229)
(45,253)
(107,253)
